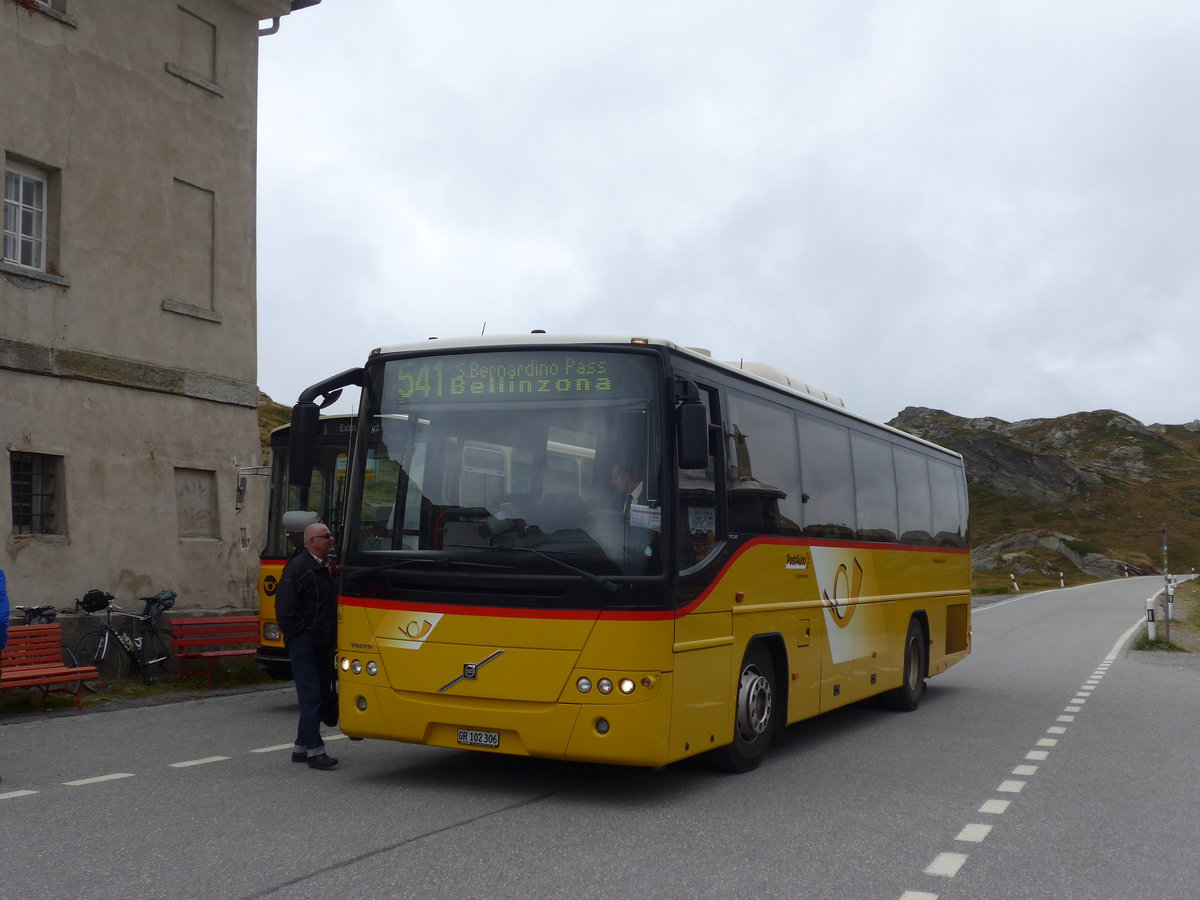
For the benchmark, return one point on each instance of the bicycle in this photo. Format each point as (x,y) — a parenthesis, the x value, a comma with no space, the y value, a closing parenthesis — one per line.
(148,651)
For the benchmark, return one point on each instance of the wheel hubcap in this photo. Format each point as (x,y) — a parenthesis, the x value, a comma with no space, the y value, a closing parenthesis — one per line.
(914,665)
(754,703)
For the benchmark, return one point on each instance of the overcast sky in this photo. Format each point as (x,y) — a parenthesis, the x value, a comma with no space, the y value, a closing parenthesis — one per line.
(990,208)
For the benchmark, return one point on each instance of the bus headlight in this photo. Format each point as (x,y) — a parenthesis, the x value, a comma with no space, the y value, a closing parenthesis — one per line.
(604,686)
(372,668)
(356,667)
(583,685)
(271,631)
(345,664)
(625,686)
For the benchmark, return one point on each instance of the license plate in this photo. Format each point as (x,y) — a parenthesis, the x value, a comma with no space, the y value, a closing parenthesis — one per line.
(469,738)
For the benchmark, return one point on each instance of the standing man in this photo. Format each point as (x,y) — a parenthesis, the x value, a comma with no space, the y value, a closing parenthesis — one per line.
(306,607)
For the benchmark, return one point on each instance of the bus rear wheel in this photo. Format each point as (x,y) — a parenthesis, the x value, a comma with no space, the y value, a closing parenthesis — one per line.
(907,697)
(754,716)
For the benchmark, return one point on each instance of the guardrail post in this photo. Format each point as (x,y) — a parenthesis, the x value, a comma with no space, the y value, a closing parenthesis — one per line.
(1151,633)
(1062,582)
(1016,587)
(1170,589)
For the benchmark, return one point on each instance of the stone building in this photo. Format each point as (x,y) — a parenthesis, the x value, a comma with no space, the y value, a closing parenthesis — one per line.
(128,379)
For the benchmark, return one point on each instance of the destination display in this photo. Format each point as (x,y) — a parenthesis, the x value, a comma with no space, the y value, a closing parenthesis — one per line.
(533,375)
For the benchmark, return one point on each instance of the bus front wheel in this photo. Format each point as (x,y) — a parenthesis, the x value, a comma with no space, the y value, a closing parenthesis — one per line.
(754,716)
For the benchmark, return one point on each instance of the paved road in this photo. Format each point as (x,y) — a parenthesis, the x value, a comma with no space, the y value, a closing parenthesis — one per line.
(1049,764)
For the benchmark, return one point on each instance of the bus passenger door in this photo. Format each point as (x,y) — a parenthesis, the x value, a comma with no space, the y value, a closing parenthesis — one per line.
(703,708)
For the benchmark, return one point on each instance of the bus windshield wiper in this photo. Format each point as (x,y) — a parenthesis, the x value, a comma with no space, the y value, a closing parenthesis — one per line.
(606,583)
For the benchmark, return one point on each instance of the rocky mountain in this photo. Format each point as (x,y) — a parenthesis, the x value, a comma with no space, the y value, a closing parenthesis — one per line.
(1085,493)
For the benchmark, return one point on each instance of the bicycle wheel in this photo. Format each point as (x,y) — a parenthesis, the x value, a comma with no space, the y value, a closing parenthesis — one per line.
(99,649)
(69,660)
(156,657)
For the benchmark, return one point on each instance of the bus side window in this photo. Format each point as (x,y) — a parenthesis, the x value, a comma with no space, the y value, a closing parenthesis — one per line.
(764,483)
(697,530)
(949,529)
(828,481)
(913,496)
(874,488)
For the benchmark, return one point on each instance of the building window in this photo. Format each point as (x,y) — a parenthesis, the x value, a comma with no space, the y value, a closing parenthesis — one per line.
(36,487)
(196,504)
(193,235)
(25,216)
(197,47)
(196,52)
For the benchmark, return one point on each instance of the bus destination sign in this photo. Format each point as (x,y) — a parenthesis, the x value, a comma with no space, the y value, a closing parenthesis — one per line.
(517,376)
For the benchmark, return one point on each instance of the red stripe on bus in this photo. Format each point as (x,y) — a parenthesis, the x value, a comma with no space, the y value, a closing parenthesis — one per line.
(631,614)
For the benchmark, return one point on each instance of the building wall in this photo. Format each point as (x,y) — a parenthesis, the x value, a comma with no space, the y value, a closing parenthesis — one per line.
(129,362)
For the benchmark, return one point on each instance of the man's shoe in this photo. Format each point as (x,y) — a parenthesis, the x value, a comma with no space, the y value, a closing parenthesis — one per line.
(322,761)
(299,756)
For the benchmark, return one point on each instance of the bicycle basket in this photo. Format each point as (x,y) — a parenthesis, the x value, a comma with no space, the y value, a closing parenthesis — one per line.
(94,601)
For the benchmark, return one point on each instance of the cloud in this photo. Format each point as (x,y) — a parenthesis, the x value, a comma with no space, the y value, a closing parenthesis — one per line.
(985,207)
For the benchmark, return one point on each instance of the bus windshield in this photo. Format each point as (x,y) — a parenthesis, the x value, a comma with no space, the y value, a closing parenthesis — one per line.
(324,494)
(532,462)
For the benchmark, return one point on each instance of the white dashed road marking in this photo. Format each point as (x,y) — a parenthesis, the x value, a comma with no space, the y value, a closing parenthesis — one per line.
(947,865)
(198,762)
(99,778)
(184,764)
(12,795)
(974,833)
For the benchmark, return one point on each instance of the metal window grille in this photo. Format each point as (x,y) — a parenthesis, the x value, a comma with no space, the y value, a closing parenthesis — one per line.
(34,486)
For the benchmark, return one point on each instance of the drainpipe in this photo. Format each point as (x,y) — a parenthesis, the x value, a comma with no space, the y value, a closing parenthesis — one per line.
(296,4)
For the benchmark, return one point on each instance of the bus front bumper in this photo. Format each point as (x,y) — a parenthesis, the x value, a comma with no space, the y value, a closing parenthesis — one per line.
(620,733)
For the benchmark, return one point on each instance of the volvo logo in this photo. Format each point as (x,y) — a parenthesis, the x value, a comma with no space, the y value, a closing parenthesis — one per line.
(469,672)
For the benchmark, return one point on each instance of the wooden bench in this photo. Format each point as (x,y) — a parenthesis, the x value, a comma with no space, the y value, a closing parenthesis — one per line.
(212,638)
(34,658)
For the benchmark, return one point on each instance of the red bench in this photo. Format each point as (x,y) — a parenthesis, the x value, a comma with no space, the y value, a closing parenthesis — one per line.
(212,638)
(34,658)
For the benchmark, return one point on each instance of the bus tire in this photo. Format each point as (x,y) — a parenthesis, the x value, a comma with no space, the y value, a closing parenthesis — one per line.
(908,696)
(754,713)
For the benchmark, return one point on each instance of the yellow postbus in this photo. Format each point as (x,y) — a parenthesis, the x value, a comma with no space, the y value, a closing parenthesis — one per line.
(619,550)
(289,509)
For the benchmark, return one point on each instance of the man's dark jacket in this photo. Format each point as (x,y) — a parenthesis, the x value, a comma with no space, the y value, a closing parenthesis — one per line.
(305,601)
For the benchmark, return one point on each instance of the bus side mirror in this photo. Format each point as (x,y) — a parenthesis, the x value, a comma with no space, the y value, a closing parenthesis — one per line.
(302,439)
(241,493)
(691,435)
